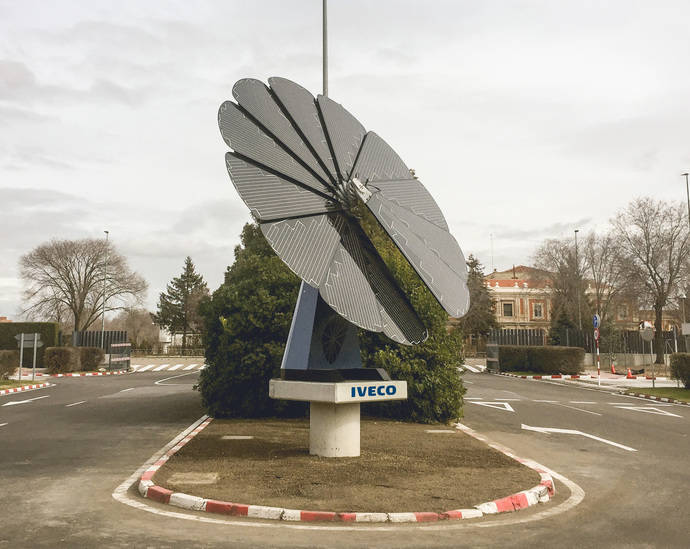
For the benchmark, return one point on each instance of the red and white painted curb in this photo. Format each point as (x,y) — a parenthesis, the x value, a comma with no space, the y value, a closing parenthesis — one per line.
(538,494)
(89,374)
(654,397)
(577,376)
(23,388)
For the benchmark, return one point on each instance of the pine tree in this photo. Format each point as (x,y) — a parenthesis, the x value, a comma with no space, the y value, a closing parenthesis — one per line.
(178,307)
(482,315)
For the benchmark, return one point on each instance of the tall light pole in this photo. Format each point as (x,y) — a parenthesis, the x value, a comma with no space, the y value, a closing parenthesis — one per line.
(577,267)
(105,278)
(325,48)
(687,190)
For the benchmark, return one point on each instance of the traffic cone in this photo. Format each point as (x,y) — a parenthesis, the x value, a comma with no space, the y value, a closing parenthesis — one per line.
(613,368)
(630,376)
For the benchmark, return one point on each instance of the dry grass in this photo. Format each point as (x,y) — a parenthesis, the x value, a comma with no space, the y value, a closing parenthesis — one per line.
(402,468)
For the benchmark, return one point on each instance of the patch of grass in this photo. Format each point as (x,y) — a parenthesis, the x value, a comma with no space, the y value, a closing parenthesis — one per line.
(402,468)
(10,383)
(666,392)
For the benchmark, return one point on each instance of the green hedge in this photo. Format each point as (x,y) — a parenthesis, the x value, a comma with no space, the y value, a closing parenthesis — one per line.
(60,360)
(545,359)
(680,368)
(49,337)
(9,361)
(91,357)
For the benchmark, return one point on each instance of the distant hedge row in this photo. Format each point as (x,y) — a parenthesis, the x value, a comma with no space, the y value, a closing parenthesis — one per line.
(542,359)
(60,360)
(49,337)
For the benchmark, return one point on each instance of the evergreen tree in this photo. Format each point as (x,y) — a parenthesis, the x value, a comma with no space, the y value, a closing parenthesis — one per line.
(178,307)
(481,316)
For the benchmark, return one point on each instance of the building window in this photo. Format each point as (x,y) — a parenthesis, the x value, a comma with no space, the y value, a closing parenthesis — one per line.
(507,309)
(538,310)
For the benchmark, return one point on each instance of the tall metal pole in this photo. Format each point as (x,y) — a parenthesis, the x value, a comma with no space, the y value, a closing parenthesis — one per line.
(325,48)
(105,278)
(577,267)
(687,190)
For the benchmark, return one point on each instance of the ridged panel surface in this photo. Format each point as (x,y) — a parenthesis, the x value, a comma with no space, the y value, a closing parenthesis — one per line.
(254,96)
(247,139)
(429,259)
(413,196)
(270,197)
(301,107)
(344,132)
(376,160)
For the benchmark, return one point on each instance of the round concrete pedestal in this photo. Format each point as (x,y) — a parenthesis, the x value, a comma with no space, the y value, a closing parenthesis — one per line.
(334,410)
(334,429)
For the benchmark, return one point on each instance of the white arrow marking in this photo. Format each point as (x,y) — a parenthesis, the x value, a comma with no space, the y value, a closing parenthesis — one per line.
(498,405)
(647,409)
(24,401)
(548,430)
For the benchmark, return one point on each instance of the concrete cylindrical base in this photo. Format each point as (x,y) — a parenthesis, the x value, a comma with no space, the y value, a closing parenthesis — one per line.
(334,429)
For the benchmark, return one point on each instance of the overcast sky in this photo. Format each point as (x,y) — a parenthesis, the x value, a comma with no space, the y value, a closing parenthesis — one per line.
(525,120)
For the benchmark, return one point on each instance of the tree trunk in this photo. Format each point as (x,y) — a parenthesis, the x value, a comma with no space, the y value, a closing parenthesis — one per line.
(659,335)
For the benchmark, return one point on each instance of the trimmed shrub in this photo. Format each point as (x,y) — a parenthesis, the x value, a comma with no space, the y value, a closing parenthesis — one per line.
(60,360)
(49,337)
(680,368)
(9,361)
(541,359)
(91,357)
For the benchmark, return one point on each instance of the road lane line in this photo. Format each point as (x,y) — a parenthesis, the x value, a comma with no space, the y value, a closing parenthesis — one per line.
(146,368)
(578,409)
(547,401)
(582,402)
(75,403)
(190,366)
(161,367)
(3,424)
(509,399)
(130,389)
(176,367)
(548,430)
(15,402)
(161,382)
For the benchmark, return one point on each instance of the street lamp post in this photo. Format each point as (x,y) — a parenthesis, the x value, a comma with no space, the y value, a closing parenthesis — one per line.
(577,266)
(325,48)
(687,190)
(105,278)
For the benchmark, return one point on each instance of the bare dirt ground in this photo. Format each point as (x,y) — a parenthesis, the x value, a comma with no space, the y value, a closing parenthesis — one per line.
(402,468)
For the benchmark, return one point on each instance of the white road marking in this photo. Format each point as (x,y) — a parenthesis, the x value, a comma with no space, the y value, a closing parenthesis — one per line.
(146,368)
(161,367)
(75,403)
(647,409)
(582,402)
(547,401)
(176,367)
(471,368)
(578,409)
(14,402)
(473,398)
(191,366)
(498,405)
(509,399)
(440,431)
(135,367)
(203,367)
(125,390)
(3,424)
(548,430)
(161,381)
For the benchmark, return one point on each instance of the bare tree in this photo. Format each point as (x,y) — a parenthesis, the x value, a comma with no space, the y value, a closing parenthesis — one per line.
(139,325)
(69,275)
(653,236)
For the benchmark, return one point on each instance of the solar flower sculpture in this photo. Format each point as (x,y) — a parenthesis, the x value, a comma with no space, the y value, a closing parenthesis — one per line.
(303,166)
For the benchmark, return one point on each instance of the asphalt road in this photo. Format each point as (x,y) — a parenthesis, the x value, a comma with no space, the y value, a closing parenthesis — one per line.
(62,456)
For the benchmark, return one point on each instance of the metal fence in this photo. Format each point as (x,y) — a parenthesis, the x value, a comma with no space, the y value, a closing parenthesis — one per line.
(96,338)
(518,337)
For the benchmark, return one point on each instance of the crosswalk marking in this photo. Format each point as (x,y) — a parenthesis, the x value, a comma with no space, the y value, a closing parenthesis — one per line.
(167,367)
(161,367)
(203,367)
(146,368)
(173,368)
(191,366)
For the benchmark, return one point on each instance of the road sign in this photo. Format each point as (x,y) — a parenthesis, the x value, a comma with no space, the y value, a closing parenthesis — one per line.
(28,340)
(596,333)
(596,321)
